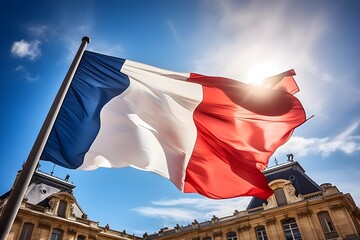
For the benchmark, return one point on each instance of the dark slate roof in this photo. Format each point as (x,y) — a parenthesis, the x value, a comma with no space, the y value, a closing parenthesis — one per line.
(43,185)
(290,171)
(50,180)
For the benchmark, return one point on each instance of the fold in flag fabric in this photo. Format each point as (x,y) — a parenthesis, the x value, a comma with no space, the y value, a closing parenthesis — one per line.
(208,135)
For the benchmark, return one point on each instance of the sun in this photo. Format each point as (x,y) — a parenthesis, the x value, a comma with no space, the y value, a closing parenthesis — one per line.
(259,72)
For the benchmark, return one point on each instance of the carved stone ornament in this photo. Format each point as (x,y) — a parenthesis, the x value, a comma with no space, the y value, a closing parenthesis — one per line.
(71,231)
(245,227)
(44,225)
(290,190)
(270,221)
(304,213)
(336,207)
(52,204)
(217,234)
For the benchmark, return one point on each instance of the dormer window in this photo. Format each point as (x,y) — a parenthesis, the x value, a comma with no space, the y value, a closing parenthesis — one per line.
(62,204)
(280,197)
(62,209)
(284,193)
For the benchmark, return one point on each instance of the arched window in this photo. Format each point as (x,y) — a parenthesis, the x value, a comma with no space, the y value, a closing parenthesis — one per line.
(26,231)
(261,233)
(280,197)
(81,237)
(327,225)
(291,230)
(56,234)
(231,236)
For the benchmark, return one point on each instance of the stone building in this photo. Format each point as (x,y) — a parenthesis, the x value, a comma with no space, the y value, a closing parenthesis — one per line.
(299,209)
(50,211)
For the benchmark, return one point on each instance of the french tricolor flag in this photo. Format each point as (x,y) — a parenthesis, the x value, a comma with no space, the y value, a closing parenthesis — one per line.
(209,135)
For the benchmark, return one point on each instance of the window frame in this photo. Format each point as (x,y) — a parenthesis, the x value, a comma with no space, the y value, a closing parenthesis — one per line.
(62,208)
(261,233)
(26,228)
(290,226)
(327,225)
(56,233)
(232,237)
(280,197)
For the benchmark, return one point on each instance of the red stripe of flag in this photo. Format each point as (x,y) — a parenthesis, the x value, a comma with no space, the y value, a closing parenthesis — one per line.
(239,126)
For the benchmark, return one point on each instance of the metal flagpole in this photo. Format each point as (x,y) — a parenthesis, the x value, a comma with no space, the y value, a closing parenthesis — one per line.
(17,194)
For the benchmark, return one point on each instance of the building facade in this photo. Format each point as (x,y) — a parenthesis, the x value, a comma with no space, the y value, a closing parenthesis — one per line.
(299,209)
(50,211)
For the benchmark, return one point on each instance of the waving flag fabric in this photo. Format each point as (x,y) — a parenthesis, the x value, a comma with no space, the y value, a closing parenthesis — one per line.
(209,135)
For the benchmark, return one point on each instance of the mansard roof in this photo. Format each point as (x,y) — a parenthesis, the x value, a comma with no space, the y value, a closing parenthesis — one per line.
(293,172)
(43,185)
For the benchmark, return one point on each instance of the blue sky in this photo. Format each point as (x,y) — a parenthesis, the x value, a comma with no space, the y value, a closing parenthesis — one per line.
(319,39)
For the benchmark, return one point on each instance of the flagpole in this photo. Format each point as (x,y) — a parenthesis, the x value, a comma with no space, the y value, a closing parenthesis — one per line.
(12,205)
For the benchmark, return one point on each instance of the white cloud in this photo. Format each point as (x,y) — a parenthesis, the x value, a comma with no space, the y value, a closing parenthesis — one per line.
(24,49)
(25,73)
(172,214)
(38,30)
(185,210)
(172,29)
(20,68)
(347,142)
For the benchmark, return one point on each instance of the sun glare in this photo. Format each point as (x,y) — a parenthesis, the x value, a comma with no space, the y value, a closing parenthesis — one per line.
(259,72)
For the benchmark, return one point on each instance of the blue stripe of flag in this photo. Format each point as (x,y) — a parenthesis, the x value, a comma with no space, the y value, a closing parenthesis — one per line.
(97,80)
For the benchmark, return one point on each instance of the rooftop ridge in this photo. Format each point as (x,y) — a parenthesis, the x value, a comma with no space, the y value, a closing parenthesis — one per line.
(53,178)
(281,166)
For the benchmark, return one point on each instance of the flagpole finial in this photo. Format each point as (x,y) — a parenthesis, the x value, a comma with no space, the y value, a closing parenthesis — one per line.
(86,38)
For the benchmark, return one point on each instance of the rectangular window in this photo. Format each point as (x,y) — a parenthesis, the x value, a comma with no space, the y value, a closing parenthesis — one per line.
(327,225)
(280,197)
(56,234)
(231,236)
(26,231)
(261,233)
(291,230)
(62,208)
